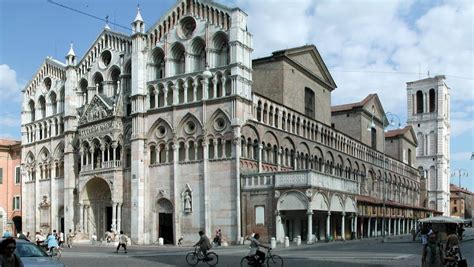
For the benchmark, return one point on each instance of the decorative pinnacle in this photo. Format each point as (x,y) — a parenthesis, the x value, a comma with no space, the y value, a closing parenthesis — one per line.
(139,15)
(71,51)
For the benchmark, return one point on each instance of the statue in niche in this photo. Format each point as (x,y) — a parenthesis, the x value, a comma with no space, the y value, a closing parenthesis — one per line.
(187,202)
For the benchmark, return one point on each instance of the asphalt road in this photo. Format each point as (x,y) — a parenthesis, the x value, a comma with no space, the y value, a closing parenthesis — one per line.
(368,252)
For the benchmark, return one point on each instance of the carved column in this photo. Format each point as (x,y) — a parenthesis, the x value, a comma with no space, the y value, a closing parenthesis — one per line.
(92,157)
(186,152)
(215,143)
(119,216)
(102,149)
(81,217)
(207,211)
(185,90)
(260,147)
(328,225)
(309,238)
(175,94)
(205,88)
(165,91)
(114,216)
(195,85)
(214,89)
(279,155)
(343,226)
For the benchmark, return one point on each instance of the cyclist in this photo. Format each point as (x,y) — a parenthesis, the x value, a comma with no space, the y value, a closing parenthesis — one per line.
(204,244)
(255,254)
(52,242)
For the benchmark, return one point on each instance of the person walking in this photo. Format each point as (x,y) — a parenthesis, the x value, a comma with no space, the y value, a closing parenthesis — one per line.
(122,238)
(432,255)
(69,237)
(8,258)
(7,234)
(452,251)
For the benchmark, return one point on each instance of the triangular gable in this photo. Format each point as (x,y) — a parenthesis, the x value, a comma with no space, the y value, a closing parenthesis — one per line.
(309,58)
(176,11)
(96,110)
(406,133)
(372,105)
(98,46)
(49,68)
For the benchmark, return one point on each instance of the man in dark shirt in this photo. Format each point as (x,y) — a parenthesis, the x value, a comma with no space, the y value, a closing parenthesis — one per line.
(203,243)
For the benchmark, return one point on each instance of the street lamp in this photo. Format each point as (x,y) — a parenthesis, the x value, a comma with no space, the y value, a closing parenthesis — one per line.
(387,117)
(460,173)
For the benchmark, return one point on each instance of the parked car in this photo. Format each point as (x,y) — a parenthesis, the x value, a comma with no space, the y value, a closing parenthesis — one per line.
(468,222)
(33,256)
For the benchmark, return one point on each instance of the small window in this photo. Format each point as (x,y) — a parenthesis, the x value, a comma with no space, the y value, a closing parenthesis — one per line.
(374,138)
(260,215)
(17,175)
(309,102)
(16,203)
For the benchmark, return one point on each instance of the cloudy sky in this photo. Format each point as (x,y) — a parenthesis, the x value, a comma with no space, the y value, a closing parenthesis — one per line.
(370,46)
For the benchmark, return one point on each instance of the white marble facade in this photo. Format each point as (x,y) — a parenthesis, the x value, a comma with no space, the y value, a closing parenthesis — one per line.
(140,133)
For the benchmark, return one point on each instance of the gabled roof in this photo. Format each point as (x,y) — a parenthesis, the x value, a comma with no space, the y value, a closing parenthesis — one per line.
(99,38)
(298,57)
(355,105)
(455,188)
(179,2)
(407,132)
(42,72)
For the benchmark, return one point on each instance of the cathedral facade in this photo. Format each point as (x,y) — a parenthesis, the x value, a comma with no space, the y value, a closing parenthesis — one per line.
(172,130)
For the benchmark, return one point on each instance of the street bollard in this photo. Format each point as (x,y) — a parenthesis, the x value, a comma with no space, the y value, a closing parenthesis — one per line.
(273,243)
(287,242)
(298,240)
(160,241)
(241,240)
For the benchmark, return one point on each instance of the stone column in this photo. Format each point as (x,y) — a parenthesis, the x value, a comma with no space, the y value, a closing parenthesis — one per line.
(185,90)
(205,88)
(368,228)
(280,234)
(375,227)
(310,226)
(389,226)
(175,94)
(260,147)
(114,216)
(81,218)
(165,100)
(186,152)
(328,225)
(119,217)
(195,91)
(355,226)
(279,154)
(343,226)
(398,227)
(207,212)
(214,89)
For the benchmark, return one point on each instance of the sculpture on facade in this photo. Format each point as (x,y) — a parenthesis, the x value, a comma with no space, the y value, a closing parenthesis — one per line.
(187,199)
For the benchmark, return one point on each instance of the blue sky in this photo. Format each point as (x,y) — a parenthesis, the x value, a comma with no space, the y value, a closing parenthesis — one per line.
(369,46)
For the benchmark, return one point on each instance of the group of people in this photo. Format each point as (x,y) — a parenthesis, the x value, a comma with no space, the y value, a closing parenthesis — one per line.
(436,254)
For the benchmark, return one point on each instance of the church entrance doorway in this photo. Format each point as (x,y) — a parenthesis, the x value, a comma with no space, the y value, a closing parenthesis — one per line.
(165,221)
(96,208)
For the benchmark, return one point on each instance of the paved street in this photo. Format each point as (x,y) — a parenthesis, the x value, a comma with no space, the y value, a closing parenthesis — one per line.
(369,252)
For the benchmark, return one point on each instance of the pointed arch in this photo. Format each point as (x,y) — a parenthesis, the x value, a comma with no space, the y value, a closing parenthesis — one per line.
(44,154)
(152,132)
(336,203)
(59,151)
(293,200)
(184,126)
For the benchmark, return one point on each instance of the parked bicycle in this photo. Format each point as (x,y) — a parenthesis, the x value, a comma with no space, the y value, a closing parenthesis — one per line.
(193,258)
(270,259)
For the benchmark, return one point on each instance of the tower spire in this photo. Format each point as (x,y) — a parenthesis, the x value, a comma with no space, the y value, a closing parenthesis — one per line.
(138,17)
(138,25)
(71,56)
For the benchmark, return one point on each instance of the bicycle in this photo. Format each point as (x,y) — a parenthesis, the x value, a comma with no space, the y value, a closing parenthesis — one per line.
(193,258)
(270,259)
(55,252)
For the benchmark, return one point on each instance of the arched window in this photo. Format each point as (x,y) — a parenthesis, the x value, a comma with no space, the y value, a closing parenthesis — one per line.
(432,97)
(199,54)
(83,87)
(31,107)
(221,46)
(177,53)
(42,107)
(54,104)
(158,64)
(152,154)
(98,80)
(419,102)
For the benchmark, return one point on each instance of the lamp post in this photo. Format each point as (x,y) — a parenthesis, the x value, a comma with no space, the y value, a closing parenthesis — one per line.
(387,117)
(460,173)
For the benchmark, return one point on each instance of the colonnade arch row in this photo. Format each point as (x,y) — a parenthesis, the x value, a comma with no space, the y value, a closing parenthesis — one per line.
(314,215)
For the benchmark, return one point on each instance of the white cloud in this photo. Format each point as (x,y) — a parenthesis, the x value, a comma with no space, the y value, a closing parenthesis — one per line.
(9,86)
(365,37)
(9,121)
(462,126)
(461,156)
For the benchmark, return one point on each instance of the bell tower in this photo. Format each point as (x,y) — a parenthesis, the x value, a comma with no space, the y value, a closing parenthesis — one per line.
(429,115)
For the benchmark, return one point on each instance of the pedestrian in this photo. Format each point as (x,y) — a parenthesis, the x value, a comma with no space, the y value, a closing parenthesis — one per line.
(39,238)
(180,241)
(28,235)
(21,235)
(460,231)
(93,238)
(7,234)
(61,238)
(122,238)
(424,234)
(218,239)
(52,241)
(69,237)
(8,257)
(413,233)
(432,254)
